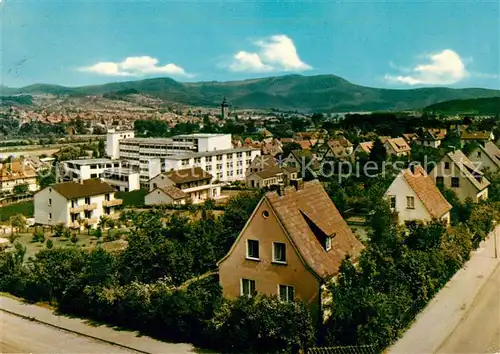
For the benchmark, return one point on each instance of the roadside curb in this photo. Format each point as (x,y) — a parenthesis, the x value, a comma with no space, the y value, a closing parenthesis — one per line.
(449,306)
(34,319)
(479,288)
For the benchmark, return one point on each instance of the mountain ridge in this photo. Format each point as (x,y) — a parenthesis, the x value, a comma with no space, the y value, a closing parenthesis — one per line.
(322,93)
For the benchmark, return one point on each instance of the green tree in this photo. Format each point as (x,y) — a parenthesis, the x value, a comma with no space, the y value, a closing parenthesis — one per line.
(378,153)
(21,188)
(46,177)
(17,222)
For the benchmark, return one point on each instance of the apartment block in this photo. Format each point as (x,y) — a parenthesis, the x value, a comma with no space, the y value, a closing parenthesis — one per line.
(75,204)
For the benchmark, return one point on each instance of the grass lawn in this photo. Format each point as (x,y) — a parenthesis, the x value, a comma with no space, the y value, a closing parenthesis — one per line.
(25,208)
(84,240)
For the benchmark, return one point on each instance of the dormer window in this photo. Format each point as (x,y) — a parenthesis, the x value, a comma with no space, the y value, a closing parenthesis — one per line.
(328,243)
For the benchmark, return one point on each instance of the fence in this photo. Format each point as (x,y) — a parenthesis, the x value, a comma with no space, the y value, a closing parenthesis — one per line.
(352,349)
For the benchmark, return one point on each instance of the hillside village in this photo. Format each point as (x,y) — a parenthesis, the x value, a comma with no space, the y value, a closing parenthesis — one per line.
(311,229)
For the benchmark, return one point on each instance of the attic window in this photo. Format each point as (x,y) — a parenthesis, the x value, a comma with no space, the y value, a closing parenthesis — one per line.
(265,214)
(328,243)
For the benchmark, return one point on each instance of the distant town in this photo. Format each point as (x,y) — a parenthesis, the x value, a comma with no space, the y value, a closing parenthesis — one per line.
(246,230)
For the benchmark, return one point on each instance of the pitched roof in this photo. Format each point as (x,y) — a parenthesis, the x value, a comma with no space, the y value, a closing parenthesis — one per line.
(343,142)
(16,170)
(492,151)
(188,175)
(86,188)
(304,144)
(399,144)
(174,192)
(366,146)
(468,169)
(426,191)
(410,136)
(263,162)
(269,172)
(299,211)
(481,135)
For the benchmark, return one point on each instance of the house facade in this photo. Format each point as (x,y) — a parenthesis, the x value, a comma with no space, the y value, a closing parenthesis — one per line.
(75,204)
(271,177)
(456,172)
(414,196)
(291,243)
(486,157)
(397,147)
(17,173)
(179,187)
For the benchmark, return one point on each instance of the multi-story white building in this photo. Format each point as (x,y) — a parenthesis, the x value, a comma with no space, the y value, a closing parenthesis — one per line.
(122,179)
(113,138)
(86,168)
(75,204)
(224,165)
(212,152)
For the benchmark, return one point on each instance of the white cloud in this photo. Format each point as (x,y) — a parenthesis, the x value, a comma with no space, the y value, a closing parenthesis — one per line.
(135,66)
(276,53)
(443,68)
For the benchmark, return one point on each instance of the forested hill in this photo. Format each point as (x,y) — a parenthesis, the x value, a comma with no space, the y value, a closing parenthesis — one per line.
(324,93)
(481,106)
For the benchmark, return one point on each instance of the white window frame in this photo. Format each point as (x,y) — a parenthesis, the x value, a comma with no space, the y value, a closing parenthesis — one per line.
(287,293)
(248,248)
(274,255)
(408,199)
(249,286)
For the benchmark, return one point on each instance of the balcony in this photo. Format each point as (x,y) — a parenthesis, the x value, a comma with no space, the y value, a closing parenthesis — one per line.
(74,224)
(88,207)
(111,203)
(76,209)
(92,221)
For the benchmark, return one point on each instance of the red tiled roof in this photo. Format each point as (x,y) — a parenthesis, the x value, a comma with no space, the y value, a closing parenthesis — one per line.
(427,192)
(311,202)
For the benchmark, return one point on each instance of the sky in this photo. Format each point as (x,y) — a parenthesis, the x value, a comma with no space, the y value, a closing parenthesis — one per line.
(390,44)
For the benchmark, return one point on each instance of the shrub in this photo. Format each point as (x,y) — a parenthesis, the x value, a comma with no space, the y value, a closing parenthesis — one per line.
(38,236)
(74,239)
(50,244)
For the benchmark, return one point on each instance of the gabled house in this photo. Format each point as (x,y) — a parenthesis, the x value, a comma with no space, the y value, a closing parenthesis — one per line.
(341,149)
(17,173)
(397,147)
(261,163)
(75,204)
(291,244)
(300,159)
(414,196)
(410,137)
(364,147)
(456,172)
(486,157)
(182,186)
(481,137)
(431,137)
(271,177)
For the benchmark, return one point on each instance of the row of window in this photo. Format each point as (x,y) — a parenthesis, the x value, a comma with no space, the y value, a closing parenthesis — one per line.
(278,251)
(410,202)
(455,181)
(285,292)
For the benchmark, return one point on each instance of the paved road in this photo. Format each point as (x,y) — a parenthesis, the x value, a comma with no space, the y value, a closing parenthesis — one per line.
(479,331)
(18,335)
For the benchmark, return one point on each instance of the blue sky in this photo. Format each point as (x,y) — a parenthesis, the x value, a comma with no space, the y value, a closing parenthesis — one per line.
(397,44)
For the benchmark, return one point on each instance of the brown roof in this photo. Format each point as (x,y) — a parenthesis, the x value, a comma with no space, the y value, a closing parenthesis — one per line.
(86,188)
(174,192)
(399,144)
(426,191)
(16,170)
(298,210)
(481,135)
(188,175)
(343,142)
(366,146)
(263,162)
(304,144)
(270,172)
